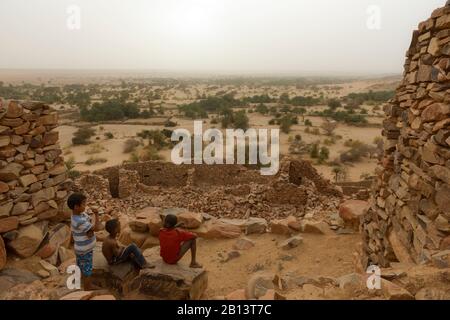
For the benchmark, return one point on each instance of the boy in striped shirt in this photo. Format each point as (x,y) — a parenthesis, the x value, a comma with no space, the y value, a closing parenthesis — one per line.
(83,236)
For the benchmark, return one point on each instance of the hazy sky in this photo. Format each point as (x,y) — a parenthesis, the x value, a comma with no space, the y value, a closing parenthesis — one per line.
(233,36)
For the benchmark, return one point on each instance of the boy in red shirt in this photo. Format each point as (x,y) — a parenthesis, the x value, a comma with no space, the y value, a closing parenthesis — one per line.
(175,242)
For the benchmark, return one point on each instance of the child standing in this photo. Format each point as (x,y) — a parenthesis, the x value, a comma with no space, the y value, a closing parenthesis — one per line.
(175,242)
(83,236)
(115,253)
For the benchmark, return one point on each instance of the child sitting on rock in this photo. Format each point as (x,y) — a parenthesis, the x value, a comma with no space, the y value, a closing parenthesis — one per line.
(175,242)
(116,253)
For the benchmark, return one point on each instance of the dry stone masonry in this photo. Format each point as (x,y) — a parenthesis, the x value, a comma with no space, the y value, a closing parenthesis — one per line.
(408,220)
(33,188)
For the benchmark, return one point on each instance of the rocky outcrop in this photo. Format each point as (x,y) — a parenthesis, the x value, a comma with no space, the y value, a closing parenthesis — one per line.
(409,216)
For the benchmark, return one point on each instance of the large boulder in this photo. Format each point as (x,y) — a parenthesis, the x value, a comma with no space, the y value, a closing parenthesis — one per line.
(291,243)
(259,284)
(128,236)
(190,220)
(282,226)
(59,236)
(148,219)
(352,210)
(256,226)
(10,277)
(317,227)
(29,239)
(216,229)
(168,282)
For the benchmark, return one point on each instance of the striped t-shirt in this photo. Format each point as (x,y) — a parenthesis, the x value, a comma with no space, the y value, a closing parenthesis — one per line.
(80,225)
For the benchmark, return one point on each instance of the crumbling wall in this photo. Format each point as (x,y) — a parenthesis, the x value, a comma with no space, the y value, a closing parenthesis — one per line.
(410,207)
(33,176)
(232,191)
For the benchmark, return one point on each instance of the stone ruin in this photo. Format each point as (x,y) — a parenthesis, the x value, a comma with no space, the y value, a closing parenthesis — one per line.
(230,191)
(408,220)
(33,177)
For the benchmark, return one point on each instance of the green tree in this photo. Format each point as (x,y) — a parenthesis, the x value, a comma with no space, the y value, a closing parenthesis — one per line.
(240,120)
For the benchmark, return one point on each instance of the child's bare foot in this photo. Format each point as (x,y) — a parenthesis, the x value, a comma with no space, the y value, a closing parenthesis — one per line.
(148,266)
(195,265)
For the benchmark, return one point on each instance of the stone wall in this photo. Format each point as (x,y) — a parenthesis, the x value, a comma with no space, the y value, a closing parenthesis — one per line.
(32,173)
(410,209)
(169,175)
(231,191)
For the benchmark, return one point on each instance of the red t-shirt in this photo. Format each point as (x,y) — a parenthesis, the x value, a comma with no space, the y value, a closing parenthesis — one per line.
(170,241)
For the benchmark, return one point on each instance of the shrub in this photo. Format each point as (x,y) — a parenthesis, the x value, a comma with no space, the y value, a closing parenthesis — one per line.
(109,135)
(262,109)
(150,153)
(94,149)
(70,165)
(285,124)
(156,138)
(324,154)
(329,142)
(340,173)
(83,136)
(329,127)
(356,152)
(91,161)
(334,104)
(308,123)
(130,145)
(110,110)
(240,120)
(314,152)
(134,157)
(170,124)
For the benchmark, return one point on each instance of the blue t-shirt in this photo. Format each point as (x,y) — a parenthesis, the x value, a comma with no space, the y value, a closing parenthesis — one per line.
(80,225)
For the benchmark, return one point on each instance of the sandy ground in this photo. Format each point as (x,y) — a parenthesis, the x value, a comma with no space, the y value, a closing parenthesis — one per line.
(319,255)
(112,150)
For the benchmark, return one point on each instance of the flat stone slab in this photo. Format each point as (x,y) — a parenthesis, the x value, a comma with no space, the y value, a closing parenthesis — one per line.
(10,277)
(108,276)
(168,282)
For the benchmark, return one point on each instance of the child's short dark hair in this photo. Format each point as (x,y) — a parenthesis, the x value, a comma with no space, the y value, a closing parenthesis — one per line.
(111,225)
(170,221)
(75,199)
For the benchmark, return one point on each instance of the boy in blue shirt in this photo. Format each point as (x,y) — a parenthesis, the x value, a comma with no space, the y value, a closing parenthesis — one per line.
(84,237)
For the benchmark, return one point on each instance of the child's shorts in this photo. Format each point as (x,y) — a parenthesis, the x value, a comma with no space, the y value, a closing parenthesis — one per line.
(84,262)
